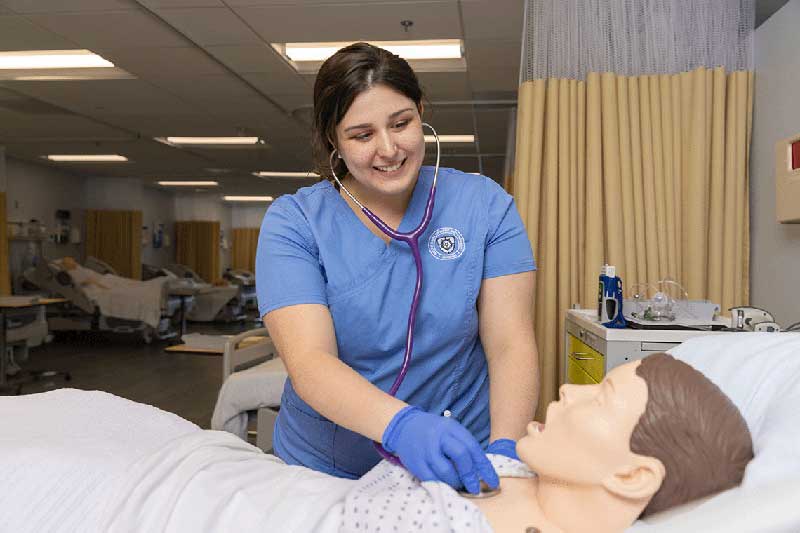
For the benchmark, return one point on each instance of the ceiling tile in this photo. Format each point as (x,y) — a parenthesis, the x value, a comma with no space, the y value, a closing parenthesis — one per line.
(114,29)
(497,53)
(70,6)
(98,96)
(209,26)
(280,84)
(294,102)
(64,127)
(17,33)
(181,3)
(489,79)
(259,57)
(445,85)
(349,22)
(493,19)
(171,62)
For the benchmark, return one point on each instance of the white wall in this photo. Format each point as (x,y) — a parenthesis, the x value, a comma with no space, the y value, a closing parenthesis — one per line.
(775,248)
(158,207)
(248,216)
(37,191)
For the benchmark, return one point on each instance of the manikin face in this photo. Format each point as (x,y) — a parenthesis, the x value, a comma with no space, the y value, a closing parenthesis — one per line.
(380,139)
(586,437)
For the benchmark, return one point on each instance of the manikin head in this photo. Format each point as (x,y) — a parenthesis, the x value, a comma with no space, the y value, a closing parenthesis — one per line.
(654,434)
(69,263)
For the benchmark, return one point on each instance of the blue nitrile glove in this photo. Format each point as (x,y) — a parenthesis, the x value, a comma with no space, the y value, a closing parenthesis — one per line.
(506,447)
(435,448)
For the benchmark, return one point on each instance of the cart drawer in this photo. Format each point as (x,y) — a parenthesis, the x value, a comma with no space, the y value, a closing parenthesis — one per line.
(589,359)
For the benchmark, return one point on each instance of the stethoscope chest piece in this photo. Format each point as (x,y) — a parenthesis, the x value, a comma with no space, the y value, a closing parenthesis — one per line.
(485,492)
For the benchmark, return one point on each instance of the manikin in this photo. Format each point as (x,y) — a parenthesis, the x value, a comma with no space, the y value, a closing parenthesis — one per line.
(654,434)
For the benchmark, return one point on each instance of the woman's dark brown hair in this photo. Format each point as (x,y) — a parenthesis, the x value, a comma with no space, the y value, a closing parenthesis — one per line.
(693,428)
(342,77)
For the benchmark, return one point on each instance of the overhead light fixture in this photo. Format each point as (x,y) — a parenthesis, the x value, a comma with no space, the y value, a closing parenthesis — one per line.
(451,139)
(52,59)
(436,55)
(84,158)
(57,65)
(247,198)
(432,49)
(210,141)
(266,174)
(188,183)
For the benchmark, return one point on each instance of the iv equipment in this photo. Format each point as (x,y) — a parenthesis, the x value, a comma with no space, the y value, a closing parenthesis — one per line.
(412,238)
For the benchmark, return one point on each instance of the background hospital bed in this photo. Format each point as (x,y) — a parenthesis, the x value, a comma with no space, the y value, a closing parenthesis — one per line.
(81,313)
(253,379)
(213,303)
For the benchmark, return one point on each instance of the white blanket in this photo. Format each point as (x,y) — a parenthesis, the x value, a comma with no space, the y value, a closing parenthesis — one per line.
(248,390)
(77,461)
(126,298)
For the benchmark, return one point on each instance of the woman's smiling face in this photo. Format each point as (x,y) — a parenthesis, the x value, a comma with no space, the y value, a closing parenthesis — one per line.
(380,139)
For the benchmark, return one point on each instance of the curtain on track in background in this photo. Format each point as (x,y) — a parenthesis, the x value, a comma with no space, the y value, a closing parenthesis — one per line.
(115,237)
(197,246)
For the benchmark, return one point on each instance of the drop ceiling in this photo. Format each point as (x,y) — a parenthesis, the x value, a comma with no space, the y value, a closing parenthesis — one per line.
(205,68)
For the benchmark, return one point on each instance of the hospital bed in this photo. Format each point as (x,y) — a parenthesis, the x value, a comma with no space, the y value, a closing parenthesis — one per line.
(253,379)
(99,266)
(150,309)
(110,464)
(246,282)
(213,303)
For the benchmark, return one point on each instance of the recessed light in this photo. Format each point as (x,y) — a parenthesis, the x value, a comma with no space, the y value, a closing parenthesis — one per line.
(209,141)
(51,59)
(188,183)
(409,50)
(247,198)
(85,158)
(268,174)
(451,139)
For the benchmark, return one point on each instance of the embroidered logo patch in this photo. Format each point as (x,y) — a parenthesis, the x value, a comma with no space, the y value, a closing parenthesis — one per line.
(446,244)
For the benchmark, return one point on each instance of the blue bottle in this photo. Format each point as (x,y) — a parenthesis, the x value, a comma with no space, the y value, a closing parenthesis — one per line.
(609,299)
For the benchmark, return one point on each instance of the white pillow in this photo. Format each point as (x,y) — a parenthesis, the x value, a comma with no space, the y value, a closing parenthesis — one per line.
(760,373)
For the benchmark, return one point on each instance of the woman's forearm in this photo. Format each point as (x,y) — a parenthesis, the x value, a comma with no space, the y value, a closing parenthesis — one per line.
(341,395)
(513,390)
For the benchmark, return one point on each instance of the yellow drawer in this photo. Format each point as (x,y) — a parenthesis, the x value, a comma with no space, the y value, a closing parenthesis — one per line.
(576,374)
(589,359)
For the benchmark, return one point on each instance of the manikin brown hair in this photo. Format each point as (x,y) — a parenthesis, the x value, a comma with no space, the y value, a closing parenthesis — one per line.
(341,78)
(693,428)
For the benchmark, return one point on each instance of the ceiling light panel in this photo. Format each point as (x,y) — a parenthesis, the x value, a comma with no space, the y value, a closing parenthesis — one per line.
(52,59)
(87,158)
(268,174)
(188,183)
(247,198)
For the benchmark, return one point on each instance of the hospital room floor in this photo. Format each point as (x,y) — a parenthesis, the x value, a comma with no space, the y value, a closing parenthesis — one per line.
(184,384)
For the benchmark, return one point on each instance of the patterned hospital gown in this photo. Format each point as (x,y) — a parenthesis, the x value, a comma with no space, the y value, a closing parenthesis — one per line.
(390,500)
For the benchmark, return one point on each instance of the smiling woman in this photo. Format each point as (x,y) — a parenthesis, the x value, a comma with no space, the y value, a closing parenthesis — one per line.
(335,293)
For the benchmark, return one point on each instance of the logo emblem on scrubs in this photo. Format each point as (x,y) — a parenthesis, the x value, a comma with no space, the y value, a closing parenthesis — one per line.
(446,244)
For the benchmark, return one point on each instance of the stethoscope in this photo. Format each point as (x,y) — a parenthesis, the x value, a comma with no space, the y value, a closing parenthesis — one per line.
(412,238)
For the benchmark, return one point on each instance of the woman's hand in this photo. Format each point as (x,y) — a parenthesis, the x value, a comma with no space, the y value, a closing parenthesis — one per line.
(505,447)
(435,448)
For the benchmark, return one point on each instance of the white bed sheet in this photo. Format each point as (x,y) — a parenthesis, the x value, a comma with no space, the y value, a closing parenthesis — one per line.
(77,461)
(248,390)
(128,298)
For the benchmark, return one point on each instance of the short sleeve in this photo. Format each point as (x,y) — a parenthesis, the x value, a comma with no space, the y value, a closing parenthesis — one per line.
(288,271)
(508,250)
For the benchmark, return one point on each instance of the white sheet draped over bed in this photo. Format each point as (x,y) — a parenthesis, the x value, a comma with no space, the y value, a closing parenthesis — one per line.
(76,461)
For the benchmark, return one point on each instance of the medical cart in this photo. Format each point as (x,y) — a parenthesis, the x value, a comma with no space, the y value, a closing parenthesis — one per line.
(591,349)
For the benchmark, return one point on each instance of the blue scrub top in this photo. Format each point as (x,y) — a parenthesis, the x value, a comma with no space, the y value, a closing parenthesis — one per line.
(313,249)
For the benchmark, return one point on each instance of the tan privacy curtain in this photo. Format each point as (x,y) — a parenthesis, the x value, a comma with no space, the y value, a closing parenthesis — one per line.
(5,280)
(648,173)
(245,242)
(197,246)
(115,237)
